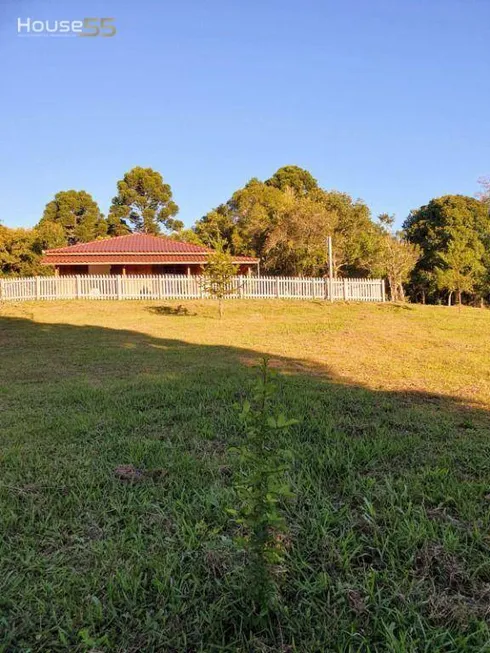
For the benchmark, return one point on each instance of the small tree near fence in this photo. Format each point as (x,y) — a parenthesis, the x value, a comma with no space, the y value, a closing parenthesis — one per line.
(218,277)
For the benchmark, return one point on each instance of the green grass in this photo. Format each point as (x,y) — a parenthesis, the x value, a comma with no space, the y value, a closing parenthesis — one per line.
(389,530)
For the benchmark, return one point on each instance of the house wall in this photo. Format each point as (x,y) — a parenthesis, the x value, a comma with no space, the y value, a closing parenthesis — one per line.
(246,269)
(73,270)
(70,270)
(156,269)
(99,269)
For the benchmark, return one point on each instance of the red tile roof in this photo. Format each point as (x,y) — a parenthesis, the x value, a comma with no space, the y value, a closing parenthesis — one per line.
(132,249)
(132,259)
(132,243)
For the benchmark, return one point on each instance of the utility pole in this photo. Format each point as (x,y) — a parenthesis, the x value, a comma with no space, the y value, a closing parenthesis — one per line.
(330,268)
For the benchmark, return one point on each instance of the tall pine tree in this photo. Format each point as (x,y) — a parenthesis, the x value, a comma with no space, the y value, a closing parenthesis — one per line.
(144,201)
(78,216)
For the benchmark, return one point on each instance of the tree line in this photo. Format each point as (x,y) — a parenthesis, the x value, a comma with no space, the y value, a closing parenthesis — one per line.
(442,251)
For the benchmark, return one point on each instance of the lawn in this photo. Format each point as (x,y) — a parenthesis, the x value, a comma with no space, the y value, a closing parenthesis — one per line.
(389,528)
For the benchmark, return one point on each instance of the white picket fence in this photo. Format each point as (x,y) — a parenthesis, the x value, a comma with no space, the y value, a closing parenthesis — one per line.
(188,287)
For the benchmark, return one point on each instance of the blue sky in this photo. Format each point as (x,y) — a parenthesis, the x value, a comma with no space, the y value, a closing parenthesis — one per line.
(387,100)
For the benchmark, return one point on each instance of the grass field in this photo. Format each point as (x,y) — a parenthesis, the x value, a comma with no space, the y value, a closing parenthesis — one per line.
(389,530)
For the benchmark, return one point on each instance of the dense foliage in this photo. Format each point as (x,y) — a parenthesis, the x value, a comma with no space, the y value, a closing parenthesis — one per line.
(285,221)
(453,233)
(72,217)
(19,252)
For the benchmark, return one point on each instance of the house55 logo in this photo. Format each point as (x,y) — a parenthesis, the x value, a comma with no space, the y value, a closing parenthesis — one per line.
(85,27)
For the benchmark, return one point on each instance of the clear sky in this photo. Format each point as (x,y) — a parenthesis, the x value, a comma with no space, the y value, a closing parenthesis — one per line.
(388,100)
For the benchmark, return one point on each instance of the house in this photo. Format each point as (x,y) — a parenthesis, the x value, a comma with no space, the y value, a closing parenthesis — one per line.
(136,254)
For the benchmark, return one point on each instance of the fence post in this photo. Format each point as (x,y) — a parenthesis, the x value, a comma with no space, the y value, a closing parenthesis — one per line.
(277,288)
(77,286)
(346,289)
(383,291)
(118,286)
(38,288)
(2,289)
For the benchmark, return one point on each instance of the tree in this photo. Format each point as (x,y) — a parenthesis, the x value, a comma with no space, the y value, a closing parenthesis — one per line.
(434,226)
(217,224)
(299,180)
(422,284)
(77,213)
(254,210)
(285,222)
(260,487)
(50,234)
(219,274)
(145,201)
(20,254)
(400,258)
(461,267)
(117,226)
(484,194)
(354,234)
(296,242)
(187,236)
(483,285)
(395,257)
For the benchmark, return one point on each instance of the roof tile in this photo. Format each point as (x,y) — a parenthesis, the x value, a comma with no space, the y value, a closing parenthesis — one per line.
(53,258)
(132,249)
(132,243)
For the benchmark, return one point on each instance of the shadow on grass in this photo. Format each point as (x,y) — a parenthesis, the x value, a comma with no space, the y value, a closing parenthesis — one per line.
(389,525)
(170,310)
(400,306)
